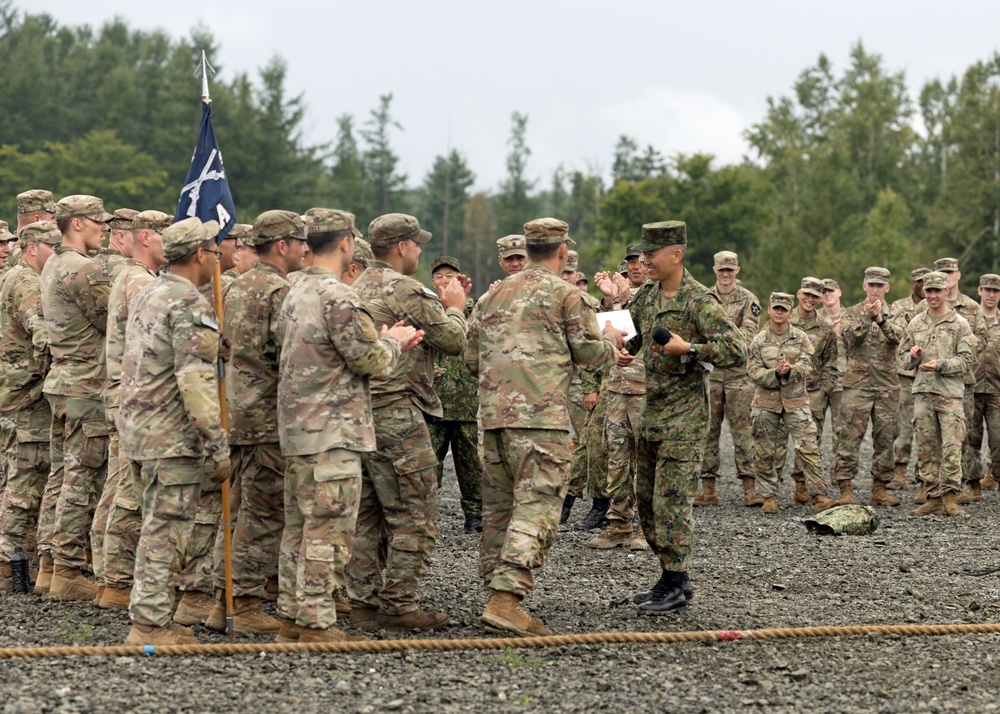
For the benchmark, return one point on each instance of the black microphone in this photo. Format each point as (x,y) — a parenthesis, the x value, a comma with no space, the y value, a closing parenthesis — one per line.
(661,335)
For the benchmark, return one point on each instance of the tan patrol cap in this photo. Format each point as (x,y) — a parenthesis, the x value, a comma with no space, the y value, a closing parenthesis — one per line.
(543,231)
(812,286)
(946,265)
(82,206)
(782,300)
(572,261)
(240,232)
(5,235)
(184,236)
(152,221)
(37,199)
(727,259)
(917,274)
(122,219)
(272,226)
(392,228)
(830,284)
(40,232)
(330,220)
(935,280)
(990,280)
(877,276)
(511,245)
(363,255)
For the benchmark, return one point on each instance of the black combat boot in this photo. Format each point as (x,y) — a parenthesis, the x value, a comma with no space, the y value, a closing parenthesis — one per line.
(671,593)
(598,516)
(474,523)
(566,508)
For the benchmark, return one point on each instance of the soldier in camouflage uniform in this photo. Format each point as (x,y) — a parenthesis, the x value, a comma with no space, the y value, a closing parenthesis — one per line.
(32,206)
(780,363)
(904,310)
(731,388)
(252,305)
(6,240)
(871,389)
(675,422)
(24,358)
(458,429)
(231,247)
(399,486)
(123,521)
(74,295)
(329,348)
(938,345)
(831,315)
(987,391)
(359,263)
(524,341)
(121,245)
(170,420)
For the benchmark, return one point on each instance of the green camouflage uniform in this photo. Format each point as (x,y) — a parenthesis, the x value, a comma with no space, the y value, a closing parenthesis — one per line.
(987,396)
(902,311)
(329,348)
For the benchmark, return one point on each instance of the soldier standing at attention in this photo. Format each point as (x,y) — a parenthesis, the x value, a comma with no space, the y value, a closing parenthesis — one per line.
(988,383)
(359,263)
(831,315)
(121,245)
(938,345)
(170,420)
(399,487)
(731,388)
(32,206)
(74,294)
(904,310)
(458,429)
(526,336)
(681,328)
(231,247)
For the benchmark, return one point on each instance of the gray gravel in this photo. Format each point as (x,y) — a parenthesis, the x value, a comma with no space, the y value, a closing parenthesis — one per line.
(750,571)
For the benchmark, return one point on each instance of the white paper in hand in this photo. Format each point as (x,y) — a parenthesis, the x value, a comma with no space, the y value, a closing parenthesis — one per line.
(621,320)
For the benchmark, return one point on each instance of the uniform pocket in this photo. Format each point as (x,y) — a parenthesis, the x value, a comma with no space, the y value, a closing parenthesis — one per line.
(95,446)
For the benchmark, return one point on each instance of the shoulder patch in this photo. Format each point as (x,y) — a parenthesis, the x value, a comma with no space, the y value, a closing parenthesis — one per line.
(428,291)
(755,309)
(206,321)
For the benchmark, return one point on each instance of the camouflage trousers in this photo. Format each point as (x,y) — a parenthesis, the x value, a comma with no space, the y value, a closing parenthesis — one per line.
(986,409)
(857,407)
(170,492)
(818,402)
(664,497)
(198,566)
(28,468)
(399,501)
(121,536)
(322,494)
(940,426)
(590,457)
(620,428)
(970,471)
(771,429)
(260,471)
(524,484)
(8,438)
(577,412)
(902,448)
(79,450)
(110,486)
(463,438)
(730,399)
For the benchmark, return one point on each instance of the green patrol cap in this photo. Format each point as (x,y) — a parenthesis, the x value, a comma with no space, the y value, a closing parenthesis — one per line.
(632,252)
(330,220)
(272,226)
(82,206)
(936,280)
(877,276)
(946,265)
(184,236)
(812,286)
(37,199)
(447,260)
(990,280)
(511,245)
(622,268)
(152,221)
(543,231)
(40,232)
(363,255)
(917,274)
(392,228)
(662,234)
(782,300)
(122,219)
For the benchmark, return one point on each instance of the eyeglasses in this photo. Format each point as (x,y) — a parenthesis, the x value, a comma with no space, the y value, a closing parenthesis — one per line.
(216,253)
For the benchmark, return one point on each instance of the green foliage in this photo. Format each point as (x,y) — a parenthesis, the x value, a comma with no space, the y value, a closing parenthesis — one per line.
(515,206)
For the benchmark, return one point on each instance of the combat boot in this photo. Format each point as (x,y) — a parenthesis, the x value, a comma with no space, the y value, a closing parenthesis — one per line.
(770,505)
(330,634)
(70,584)
(216,619)
(881,497)
(6,578)
(474,523)
(801,495)
(949,503)
(974,495)
(647,595)
(988,482)
(271,589)
(342,603)
(44,580)
(931,507)
(413,620)
(750,497)
(115,598)
(567,507)
(364,618)
(194,608)
(598,516)
(668,595)
(250,619)
(152,635)
(921,496)
(898,478)
(707,496)
(639,542)
(503,612)
(822,503)
(618,533)
(846,493)
(289,631)
(97,597)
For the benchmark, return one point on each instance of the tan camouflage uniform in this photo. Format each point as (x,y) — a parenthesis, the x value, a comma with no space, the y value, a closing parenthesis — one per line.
(904,310)
(987,393)
(626,401)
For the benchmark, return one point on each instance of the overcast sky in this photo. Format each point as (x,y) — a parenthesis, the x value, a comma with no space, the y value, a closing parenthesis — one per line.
(682,76)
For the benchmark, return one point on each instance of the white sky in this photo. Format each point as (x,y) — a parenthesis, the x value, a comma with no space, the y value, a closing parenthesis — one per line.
(684,77)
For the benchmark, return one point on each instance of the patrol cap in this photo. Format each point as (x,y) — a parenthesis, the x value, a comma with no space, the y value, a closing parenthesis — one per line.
(511,245)
(946,265)
(122,219)
(151,221)
(447,260)
(782,300)
(572,261)
(240,231)
(989,280)
(622,268)
(662,234)
(82,206)
(877,276)
(544,231)
(812,286)
(184,236)
(363,255)
(5,234)
(936,280)
(40,232)
(37,199)
(917,274)
(726,259)
(830,284)
(392,228)
(272,226)
(330,220)
(632,252)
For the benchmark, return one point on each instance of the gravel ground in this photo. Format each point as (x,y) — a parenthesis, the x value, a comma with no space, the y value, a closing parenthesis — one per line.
(750,571)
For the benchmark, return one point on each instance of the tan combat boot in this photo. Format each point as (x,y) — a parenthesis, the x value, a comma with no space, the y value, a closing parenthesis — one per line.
(801,495)
(115,598)
(750,497)
(152,635)
(194,608)
(898,478)
(216,619)
(974,495)
(503,612)
(618,533)
(98,596)
(342,603)
(921,496)
(639,542)
(364,618)
(822,503)
(44,580)
(271,590)
(881,497)
(330,634)
(6,578)
(250,619)
(931,507)
(988,482)
(289,631)
(413,620)
(707,496)
(949,503)
(70,584)
(770,505)
(846,493)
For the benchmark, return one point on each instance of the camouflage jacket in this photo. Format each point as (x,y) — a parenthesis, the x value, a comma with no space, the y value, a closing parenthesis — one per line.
(128,284)
(112,262)
(743,309)
(973,314)
(456,386)
(75,292)
(251,319)
(169,393)
(390,297)
(329,349)
(871,349)
(905,310)
(774,393)
(988,365)
(677,388)
(524,341)
(824,374)
(24,340)
(630,379)
(947,339)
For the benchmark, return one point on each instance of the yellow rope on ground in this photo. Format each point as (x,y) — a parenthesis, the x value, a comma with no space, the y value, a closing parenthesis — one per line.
(484,643)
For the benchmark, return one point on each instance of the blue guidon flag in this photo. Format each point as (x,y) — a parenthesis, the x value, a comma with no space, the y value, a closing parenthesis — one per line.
(206,193)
